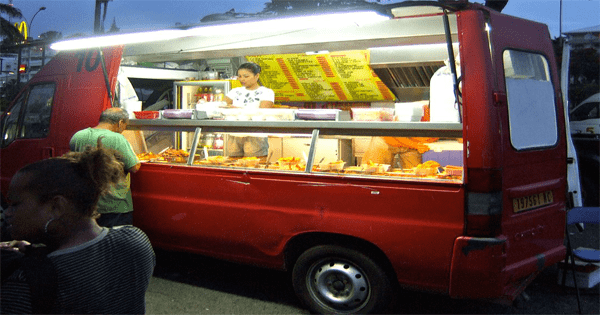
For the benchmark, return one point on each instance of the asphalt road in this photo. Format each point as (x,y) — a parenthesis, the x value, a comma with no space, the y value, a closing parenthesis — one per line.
(191,284)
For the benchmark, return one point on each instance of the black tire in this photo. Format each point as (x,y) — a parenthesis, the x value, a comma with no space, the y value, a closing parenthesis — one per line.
(334,279)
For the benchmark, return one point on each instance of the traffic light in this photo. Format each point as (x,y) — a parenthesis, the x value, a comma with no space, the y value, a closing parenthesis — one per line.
(22,68)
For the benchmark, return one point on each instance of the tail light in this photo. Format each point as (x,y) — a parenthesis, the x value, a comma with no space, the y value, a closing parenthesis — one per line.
(484,203)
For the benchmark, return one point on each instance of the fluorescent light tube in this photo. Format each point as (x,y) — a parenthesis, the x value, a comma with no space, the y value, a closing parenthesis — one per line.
(288,23)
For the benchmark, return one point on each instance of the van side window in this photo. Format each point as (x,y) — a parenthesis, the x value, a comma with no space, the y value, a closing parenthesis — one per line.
(36,121)
(531,100)
(11,119)
(33,121)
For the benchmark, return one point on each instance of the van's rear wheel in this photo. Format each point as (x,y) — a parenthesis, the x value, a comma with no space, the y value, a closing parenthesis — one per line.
(334,279)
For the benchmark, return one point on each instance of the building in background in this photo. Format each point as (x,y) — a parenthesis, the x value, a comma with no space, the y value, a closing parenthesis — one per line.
(588,37)
(34,56)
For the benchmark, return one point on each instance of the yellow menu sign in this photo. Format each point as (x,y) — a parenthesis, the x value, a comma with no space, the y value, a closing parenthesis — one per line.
(335,76)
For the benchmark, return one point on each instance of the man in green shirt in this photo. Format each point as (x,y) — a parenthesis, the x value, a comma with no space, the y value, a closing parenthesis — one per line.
(115,208)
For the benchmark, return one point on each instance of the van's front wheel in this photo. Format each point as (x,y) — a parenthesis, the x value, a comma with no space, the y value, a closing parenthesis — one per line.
(334,279)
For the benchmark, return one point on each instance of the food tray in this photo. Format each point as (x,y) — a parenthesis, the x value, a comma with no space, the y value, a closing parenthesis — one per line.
(375,168)
(425,171)
(453,170)
(248,162)
(258,114)
(331,166)
(372,114)
(150,114)
(178,113)
(317,114)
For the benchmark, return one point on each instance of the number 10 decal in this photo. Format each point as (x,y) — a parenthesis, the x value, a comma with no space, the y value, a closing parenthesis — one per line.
(87,57)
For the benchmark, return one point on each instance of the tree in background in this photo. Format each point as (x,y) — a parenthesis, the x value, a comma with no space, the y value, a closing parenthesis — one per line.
(10,34)
(51,36)
(113,27)
(8,92)
(99,22)
(283,7)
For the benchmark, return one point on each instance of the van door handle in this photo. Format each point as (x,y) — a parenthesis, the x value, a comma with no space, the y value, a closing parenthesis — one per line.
(47,152)
(500,98)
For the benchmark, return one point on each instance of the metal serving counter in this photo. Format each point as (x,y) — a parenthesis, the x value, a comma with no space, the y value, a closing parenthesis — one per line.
(351,128)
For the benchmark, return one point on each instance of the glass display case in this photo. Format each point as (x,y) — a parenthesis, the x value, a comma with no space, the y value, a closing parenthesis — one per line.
(391,150)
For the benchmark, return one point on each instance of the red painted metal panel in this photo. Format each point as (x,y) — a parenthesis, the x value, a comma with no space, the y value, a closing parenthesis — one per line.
(250,216)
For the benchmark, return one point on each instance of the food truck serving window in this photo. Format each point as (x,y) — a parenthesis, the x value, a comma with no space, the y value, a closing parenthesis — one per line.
(531,103)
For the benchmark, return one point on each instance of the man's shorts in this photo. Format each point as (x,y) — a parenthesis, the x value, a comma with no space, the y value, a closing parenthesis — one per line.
(247,146)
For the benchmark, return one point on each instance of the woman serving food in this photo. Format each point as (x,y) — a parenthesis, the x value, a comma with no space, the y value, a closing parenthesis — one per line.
(250,95)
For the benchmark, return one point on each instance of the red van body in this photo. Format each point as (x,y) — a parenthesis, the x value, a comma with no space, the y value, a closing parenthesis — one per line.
(483,238)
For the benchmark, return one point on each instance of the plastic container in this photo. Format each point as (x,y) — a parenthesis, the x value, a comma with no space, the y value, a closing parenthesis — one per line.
(337,166)
(219,142)
(373,114)
(178,113)
(410,111)
(146,114)
(317,114)
(375,168)
(272,114)
(443,106)
(132,106)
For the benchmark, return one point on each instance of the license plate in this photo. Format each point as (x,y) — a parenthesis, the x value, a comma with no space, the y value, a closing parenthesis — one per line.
(532,201)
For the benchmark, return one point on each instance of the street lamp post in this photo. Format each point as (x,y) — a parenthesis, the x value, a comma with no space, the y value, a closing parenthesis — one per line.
(31,23)
(27,39)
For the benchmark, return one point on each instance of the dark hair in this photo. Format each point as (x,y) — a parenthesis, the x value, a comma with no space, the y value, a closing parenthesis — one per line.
(81,177)
(113,115)
(253,67)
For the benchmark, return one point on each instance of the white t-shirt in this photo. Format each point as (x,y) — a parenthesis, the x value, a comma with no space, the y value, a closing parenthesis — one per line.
(243,97)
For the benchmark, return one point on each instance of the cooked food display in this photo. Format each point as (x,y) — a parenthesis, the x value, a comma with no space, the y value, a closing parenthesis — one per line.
(452,170)
(168,155)
(427,170)
(288,160)
(371,168)
(250,161)
(173,155)
(147,156)
(217,159)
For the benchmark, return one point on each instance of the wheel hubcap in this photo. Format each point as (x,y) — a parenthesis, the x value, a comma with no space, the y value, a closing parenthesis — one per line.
(339,285)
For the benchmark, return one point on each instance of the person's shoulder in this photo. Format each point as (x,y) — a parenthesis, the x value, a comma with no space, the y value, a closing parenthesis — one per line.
(127,231)
(238,89)
(108,134)
(264,89)
(83,131)
(131,238)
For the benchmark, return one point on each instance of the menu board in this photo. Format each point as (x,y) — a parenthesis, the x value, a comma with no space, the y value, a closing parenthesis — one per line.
(335,76)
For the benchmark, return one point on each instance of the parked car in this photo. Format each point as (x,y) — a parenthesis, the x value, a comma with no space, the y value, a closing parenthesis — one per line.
(585,117)
(585,130)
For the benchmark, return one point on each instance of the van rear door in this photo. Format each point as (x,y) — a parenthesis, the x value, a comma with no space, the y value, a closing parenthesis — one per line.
(533,147)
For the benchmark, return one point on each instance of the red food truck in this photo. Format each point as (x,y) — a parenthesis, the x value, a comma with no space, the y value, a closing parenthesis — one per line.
(422,146)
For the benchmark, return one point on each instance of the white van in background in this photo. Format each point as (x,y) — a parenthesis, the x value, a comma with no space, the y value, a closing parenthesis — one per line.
(585,117)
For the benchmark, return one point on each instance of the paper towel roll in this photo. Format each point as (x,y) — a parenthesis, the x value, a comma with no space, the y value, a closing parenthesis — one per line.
(131,106)
(443,107)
